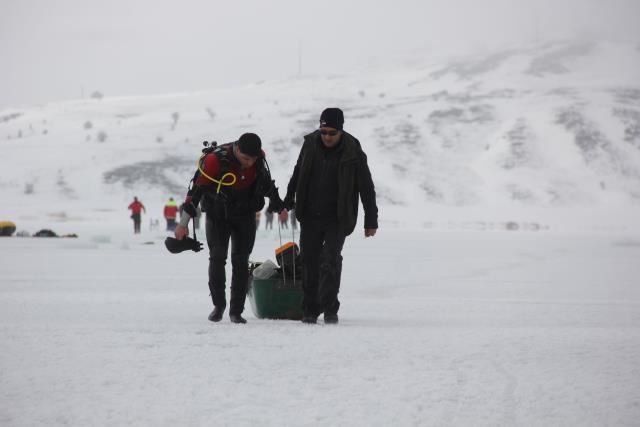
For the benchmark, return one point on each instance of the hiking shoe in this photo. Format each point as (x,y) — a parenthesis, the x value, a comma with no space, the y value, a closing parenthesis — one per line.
(216,314)
(331,318)
(309,319)
(236,318)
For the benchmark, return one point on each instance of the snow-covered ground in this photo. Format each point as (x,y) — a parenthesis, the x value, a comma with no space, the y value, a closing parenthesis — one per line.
(437,328)
(503,287)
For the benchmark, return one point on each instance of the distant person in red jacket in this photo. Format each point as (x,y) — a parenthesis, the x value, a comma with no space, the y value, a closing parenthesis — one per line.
(283,217)
(136,208)
(170,214)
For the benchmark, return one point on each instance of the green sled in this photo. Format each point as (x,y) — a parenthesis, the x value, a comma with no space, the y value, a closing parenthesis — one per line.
(275,298)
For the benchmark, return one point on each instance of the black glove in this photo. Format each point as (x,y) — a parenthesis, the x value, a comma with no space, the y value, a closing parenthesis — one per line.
(176,246)
(275,204)
(288,203)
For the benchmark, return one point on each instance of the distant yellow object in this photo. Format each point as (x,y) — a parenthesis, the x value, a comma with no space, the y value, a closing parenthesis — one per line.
(7,228)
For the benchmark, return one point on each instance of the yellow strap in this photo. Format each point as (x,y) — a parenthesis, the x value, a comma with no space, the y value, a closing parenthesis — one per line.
(221,181)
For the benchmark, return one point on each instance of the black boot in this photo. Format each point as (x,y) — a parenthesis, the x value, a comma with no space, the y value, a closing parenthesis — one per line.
(237,318)
(216,314)
(309,319)
(331,318)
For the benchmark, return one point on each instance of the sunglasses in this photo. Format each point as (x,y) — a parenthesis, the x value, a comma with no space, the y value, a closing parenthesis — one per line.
(329,132)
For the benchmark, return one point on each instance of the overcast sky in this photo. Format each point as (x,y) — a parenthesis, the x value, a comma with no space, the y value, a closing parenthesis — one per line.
(62,49)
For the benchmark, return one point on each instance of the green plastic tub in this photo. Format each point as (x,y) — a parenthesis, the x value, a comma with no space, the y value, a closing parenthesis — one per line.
(276,299)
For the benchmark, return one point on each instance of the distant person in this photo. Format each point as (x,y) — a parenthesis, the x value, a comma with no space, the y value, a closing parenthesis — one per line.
(268,224)
(283,217)
(136,207)
(258,219)
(329,176)
(292,219)
(170,214)
(154,224)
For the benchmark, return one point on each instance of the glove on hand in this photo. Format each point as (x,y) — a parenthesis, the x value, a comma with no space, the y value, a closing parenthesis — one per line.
(176,246)
(275,204)
(288,203)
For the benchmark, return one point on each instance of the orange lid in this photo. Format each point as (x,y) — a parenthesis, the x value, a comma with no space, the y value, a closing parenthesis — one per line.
(284,247)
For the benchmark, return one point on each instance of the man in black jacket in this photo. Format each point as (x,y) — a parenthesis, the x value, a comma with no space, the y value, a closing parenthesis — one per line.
(231,183)
(330,174)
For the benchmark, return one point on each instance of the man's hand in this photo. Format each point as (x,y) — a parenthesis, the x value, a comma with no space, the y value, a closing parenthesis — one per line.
(288,203)
(275,204)
(181,232)
(370,232)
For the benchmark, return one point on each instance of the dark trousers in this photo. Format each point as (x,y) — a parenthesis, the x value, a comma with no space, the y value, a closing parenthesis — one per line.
(321,245)
(136,223)
(242,233)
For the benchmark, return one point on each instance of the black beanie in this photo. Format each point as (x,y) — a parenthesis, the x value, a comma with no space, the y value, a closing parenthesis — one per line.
(332,118)
(250,144)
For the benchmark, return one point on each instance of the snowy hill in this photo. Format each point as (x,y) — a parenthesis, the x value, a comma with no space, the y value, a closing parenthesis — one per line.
(550,127)
(468,327)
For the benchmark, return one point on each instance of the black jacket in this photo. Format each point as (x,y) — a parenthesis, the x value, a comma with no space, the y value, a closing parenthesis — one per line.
(353,180)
